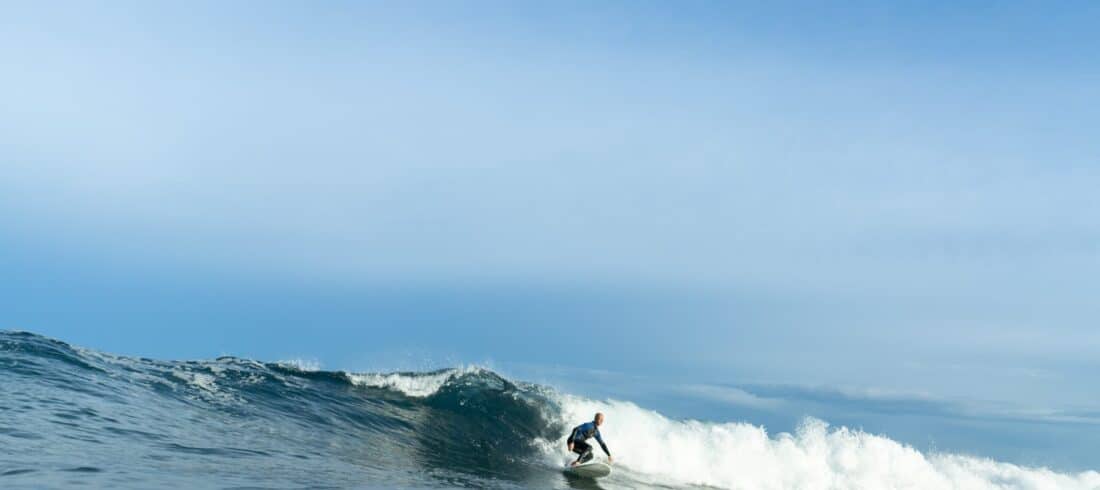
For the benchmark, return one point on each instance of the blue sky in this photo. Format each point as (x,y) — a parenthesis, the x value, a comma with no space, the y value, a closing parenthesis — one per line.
(874,195)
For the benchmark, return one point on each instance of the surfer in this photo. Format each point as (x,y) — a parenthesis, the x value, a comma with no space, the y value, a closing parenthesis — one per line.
(583,432)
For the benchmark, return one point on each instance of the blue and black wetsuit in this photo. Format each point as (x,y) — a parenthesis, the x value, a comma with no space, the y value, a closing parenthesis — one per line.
(580,434)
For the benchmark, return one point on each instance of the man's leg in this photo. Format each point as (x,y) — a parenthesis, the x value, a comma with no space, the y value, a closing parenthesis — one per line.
(584,451)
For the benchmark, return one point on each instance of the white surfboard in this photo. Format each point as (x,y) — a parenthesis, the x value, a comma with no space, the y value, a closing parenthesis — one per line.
(591,469)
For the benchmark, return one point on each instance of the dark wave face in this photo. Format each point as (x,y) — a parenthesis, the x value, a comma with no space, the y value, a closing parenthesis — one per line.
(71,416)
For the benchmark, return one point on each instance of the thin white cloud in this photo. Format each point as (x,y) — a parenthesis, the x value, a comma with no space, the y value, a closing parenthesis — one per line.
(731,395)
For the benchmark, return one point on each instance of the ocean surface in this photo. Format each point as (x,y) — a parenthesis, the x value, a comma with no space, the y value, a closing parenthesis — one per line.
(78,418)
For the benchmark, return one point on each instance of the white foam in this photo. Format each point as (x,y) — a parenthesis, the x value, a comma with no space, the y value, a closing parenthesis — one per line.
(205,386)
(303,365)
(417,385)
(201,381)
(656,449)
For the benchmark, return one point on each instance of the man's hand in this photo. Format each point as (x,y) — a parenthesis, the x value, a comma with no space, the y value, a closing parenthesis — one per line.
(570,447)
(609,458)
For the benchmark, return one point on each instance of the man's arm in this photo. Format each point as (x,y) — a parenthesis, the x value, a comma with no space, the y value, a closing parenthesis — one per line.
(603,446)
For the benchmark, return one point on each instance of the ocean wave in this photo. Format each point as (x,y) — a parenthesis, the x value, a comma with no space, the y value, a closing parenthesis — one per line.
(252,423)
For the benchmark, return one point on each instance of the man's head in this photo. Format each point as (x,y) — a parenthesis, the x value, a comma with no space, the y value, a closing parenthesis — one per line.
(599,419)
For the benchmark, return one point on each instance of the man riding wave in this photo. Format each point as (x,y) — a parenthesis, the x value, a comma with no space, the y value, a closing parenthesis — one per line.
(582,433)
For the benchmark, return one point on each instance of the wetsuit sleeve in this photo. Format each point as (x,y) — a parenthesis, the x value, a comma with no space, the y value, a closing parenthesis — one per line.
(603,446)
(572,435)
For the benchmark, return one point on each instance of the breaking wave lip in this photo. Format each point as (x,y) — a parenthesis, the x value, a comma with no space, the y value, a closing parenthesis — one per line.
(532,420)
(417,385)
(303,365)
